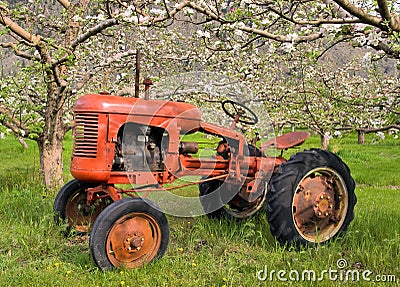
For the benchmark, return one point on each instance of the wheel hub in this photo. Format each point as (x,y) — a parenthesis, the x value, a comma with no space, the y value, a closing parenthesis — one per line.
(324,205)
(313,201)
(134,242)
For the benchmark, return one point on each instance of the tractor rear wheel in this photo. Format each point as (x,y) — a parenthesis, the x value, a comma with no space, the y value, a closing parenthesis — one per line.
(70,205)
(129,233)
(311,198)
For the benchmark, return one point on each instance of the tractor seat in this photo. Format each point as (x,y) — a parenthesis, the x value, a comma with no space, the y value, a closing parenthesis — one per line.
(286,141)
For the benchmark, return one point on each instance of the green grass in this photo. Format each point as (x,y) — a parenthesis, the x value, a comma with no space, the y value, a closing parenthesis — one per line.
(202,252)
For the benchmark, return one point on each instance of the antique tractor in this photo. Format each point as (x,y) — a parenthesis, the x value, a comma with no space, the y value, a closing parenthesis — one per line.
(309,198)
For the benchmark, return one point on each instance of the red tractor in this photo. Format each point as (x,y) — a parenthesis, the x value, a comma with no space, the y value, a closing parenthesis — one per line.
(309,198)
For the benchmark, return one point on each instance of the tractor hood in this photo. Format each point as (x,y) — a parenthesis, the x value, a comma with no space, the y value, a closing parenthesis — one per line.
(153,112)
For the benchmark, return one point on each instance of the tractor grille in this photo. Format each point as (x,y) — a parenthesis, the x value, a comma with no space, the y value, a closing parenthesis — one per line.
(85,135)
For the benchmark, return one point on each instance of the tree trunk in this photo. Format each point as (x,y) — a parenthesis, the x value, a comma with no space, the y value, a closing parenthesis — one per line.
(325,141)
(361,136)
(51,161)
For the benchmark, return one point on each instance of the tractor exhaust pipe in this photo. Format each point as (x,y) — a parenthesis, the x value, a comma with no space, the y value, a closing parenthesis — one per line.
(137,76)
(147,82)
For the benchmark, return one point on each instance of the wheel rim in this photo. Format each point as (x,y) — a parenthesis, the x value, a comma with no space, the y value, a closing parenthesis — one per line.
(238,211)
(320,205)
(133,240)
(80,215)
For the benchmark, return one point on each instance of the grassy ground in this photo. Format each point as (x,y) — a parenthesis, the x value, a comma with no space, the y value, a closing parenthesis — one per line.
(203,252)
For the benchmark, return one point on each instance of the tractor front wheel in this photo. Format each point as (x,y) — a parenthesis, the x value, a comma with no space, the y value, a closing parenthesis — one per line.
(70,205)
(311,198)
(128,233)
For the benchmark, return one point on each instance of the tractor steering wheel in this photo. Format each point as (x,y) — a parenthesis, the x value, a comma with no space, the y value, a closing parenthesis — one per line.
(234,109)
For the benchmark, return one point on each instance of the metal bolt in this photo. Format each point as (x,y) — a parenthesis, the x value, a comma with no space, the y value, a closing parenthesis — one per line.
(330,205)
(319,213)
(326,213)
(321,197)
(328,197)
(316,205)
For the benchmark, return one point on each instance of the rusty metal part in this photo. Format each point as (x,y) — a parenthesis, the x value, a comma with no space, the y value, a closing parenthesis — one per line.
(319,204)
(147,83)
(239,207)
(324,205)
(253,189)
(104,190)
(286,141)
(80,215)
(133,240)
(188,147)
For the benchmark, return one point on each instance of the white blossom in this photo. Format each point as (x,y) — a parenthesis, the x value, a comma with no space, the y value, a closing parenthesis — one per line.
(239,32)
(76,18)
(101,17)
(337,134)
(381,135)
(204,34)
(128,12)
(330,28)
(156,11)
(241,25)
(292,37)
(362,40)
(328,135)
(271,48)
(189,11)
(236,47)
(366,60)
(288,47)
(373,39)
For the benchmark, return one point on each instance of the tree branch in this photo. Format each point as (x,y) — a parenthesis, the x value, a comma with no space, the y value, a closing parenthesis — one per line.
(281,38)
(93,31)
(65,3)
(361,14)
(13,124)
(315,22)
(18,52)
(385,128)
(389,51)
(392,21)
(14,27)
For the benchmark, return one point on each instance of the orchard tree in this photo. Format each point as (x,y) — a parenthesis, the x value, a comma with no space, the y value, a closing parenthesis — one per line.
(350,98)
(51,42)
(62,49)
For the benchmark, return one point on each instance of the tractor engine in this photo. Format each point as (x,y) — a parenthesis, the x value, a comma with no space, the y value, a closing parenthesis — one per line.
(139,148)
